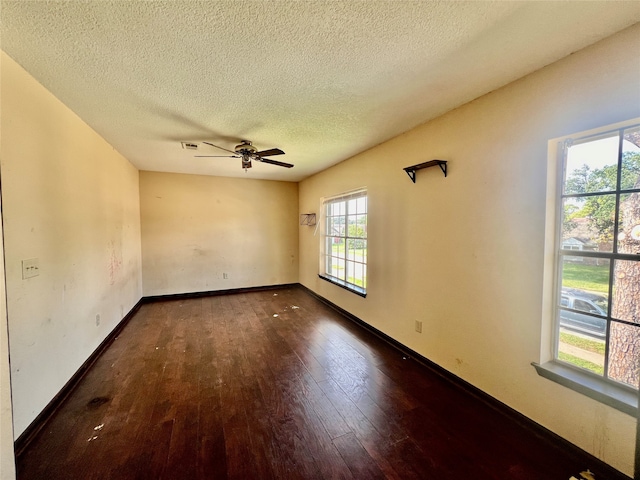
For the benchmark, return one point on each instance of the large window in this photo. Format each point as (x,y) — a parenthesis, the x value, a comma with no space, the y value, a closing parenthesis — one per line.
(343,257)
(598,267)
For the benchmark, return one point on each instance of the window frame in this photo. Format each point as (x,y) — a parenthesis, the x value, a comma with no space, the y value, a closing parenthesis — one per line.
(605,390)
(326,260)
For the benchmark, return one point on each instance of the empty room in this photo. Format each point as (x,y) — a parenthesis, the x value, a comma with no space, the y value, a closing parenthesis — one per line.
(320,239)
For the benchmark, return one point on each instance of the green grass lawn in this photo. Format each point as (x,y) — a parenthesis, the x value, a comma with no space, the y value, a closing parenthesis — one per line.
(586,277)
(583,343)
(338,248)
(581,363)
(356,281)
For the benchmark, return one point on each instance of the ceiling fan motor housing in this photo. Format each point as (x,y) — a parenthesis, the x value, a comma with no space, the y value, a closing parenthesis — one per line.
(245,148)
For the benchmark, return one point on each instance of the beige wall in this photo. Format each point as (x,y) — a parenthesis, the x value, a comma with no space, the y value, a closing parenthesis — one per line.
(197,228)
(465,254)
(71,201)
(7,463)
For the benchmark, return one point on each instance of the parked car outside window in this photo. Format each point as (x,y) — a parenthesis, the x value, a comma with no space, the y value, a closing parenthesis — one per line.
(586,310)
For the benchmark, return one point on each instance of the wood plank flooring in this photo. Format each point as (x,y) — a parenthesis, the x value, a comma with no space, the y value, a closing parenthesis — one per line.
(276,385)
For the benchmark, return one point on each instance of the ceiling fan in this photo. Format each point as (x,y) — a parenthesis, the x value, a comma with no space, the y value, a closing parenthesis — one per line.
(248,152)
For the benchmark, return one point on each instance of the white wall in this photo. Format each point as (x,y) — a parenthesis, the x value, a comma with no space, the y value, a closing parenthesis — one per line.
(71,201)
(464,254)
(197,228)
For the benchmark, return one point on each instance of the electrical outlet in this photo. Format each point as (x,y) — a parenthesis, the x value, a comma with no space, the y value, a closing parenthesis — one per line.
(418,326)
(30,268)
(97,320)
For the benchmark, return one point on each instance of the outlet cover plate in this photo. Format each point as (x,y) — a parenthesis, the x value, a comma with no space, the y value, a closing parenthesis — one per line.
(30,268)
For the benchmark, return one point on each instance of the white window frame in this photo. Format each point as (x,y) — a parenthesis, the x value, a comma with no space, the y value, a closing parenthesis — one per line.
(608,392)
(348,267)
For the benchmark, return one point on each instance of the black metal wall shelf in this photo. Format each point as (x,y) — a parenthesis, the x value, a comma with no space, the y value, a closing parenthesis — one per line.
(411,171)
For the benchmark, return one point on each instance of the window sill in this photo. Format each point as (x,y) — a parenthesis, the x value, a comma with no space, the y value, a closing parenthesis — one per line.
(341,283)
(618,397)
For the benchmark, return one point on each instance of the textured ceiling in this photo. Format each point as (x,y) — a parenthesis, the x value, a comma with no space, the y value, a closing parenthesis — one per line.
(322,80)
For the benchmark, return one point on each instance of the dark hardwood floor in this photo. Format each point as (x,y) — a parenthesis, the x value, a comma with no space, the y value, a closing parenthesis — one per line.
(274,384)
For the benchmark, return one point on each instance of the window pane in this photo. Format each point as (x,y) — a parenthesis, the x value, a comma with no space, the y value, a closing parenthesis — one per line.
(631,159)
(587,223)
(336,267)
(581,350)
(626,291)
(362,205)
(355,273)
(352,225)
(357,236)
(629,224)
(588,275)
(356,246)
(361,222)
(592,166)
(335,208)
(335,226)
(351,250)
(350,272)
(624,353)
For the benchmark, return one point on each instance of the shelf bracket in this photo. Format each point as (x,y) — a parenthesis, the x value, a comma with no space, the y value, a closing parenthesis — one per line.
(308,219)
(411,171)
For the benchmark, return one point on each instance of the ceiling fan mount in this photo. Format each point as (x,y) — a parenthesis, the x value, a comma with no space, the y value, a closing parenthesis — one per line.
(245,148)
(247,152)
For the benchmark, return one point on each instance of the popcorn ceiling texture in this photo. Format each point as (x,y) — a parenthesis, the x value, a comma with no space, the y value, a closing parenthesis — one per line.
(321,80)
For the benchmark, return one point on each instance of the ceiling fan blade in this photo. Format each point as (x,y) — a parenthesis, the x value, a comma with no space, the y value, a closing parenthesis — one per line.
(226,150)
(274,162)
(269,153)
(217,156)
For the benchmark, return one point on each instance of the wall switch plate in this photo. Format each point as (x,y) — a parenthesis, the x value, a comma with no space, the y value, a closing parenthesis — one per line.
(225,276)
(30,268)
(418,326)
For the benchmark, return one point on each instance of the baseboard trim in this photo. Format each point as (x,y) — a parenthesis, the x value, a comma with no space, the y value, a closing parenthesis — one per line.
(597,466)
(35,427)
(212,293)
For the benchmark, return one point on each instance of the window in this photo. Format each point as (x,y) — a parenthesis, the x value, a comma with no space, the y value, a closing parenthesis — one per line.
(598,258)
(343,252)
